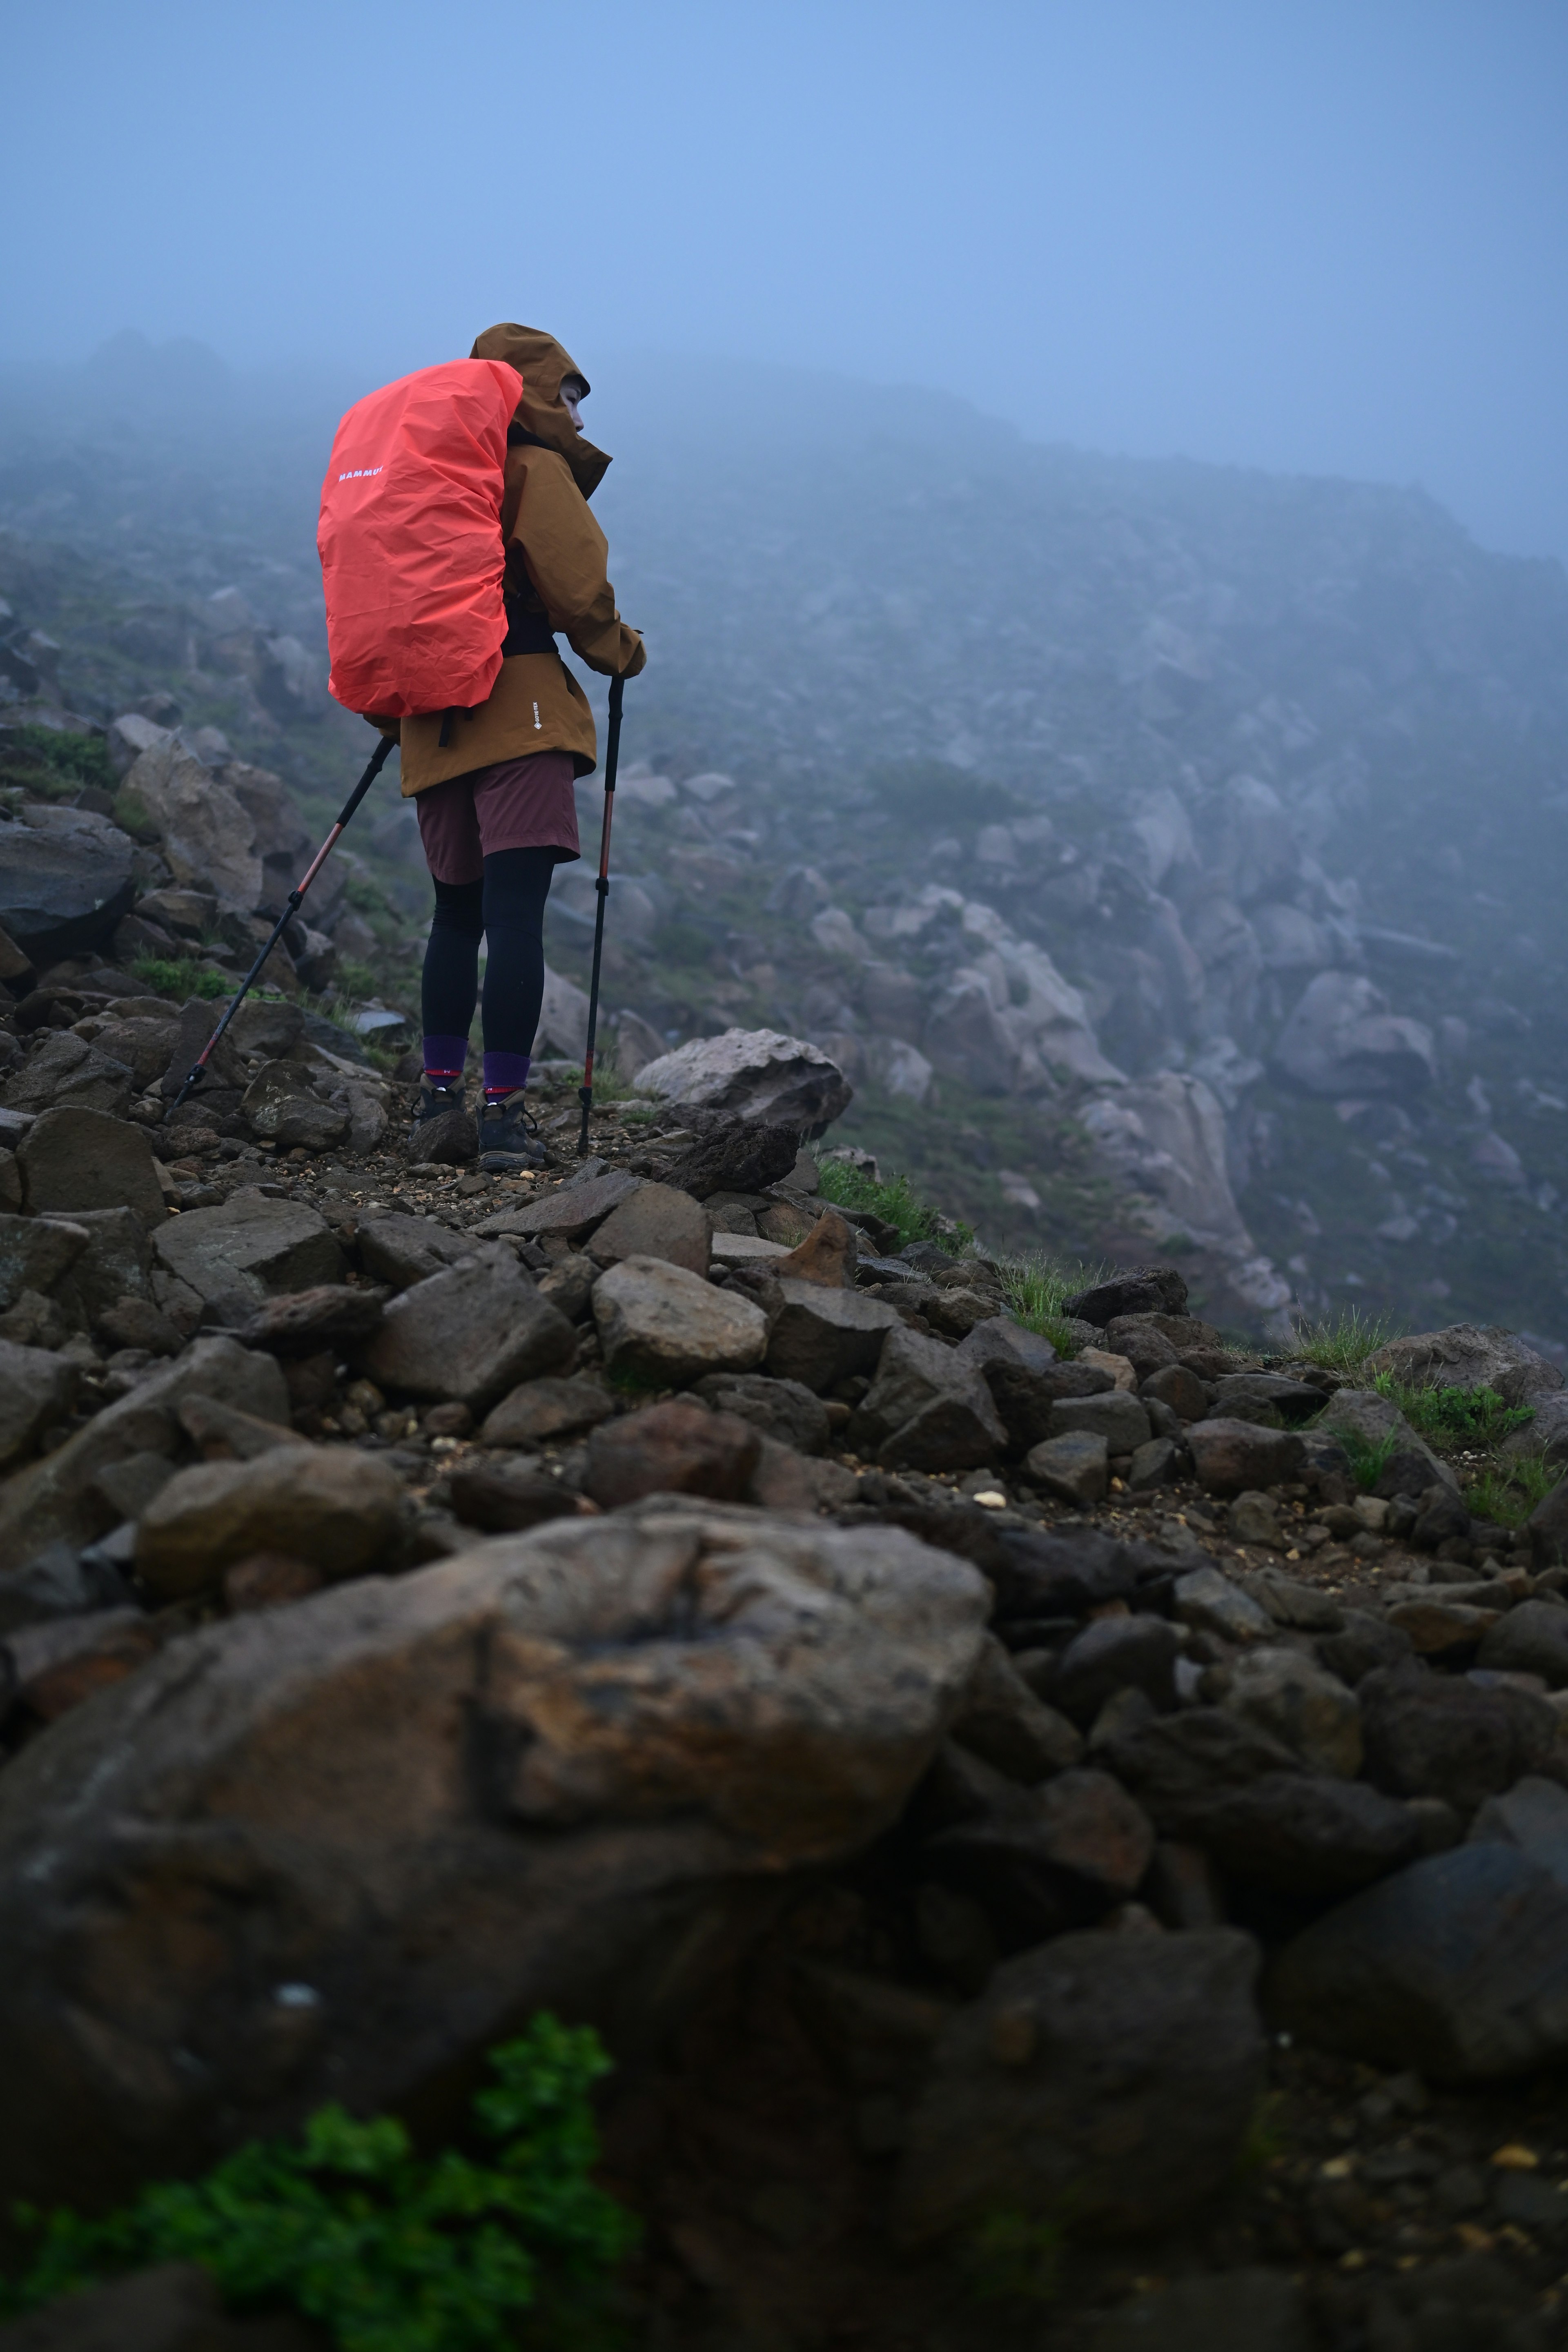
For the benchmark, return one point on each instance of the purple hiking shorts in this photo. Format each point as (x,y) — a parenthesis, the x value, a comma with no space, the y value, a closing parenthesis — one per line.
(527,804)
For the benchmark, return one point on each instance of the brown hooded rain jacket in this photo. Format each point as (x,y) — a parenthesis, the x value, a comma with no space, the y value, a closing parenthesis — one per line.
(555,579)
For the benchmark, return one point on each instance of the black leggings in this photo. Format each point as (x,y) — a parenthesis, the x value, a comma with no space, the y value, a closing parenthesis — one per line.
(507,909)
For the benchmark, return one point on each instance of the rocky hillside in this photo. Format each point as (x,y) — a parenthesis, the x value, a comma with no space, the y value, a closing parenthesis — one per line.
(1172,856)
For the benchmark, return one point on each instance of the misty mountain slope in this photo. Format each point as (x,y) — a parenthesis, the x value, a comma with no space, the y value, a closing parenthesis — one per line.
(1237,764)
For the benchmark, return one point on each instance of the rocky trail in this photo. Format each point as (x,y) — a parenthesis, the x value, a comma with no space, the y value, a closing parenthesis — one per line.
(1064,1837)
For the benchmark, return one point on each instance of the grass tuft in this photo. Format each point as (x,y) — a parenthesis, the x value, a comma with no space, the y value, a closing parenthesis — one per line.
(1455,1416)
(1344,1342)
(183,978)
(893,1199)
(1508,1491)
(1038,1288)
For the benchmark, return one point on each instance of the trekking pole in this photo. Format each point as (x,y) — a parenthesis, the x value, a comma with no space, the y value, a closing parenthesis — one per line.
(611,753)
(378,760)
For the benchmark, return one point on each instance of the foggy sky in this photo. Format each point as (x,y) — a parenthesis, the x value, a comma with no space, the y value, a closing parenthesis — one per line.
(1325,238)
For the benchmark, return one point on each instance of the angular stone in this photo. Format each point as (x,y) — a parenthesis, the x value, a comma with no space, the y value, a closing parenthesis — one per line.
(1076,1467)
(401,1249)
(608,1737)
(133,1322)
(340,1315)
(783,1410)
(1365,1417)
(269,1580)
(542,1409)
(1300,1833)
(1464,1356)
(57,1498)
(1531,1815)
(1154,1465)
(1110,1655)
(36,1389)
(670,1449)
(656,1221)
(1429,1735)
(1176,1762)
(822,1336)
(145,1044)
(1438,1627)
(925,1409)
(1533,1639)
(1140,1340)
(506,1501)
(828,1254)
(745,1249)
(55,1666)
(1151,1290)
(1254,1519)
(450,1140)
(220,1432)
(1205,1599)
(572,1211)
(1025,1380)
(470,1332)
(250,1249)
(329,1506)
(1549,1529)
(282,1106)
(665,1326)
(1232,1456)
(205,833)
(72,1159)
(66,1070)
(1297,1702)
(1293,1400)
(1119,1419)
(1457,1968)
(116,1264)
(787,1481)
(1058,1857)
(737,1156)
(198,1020)
(65,881)
(1117,2073)
(1290,1603)
(1005,1723)
(1180,1390)
(754,1074)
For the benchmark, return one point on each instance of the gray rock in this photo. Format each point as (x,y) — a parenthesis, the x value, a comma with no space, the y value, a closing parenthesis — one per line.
(283,1107)
(656,1221)
(663,1325)
(1055,1856)
(598,1747)
(73,1159)
(1205,1599)
(755,1074)
(470,1333)
(401,1249)
(34,1254)
(1457,1967)
(1232,1457)
(1376,1421)
(1549,1529)
(1117,2073)
(1465,1356)
(1531,1639)
(1076,1467)
(1293,1400)
(740,1156)
(572,1211)
(785,1411)
(1176,1763)
(1117,1417)
(542,1409)
(1005,1723)
(1254,1519)
(115,1267)
(65,1069)
(1304,1607)
(198,1017)
(330,1507)
(1365,1643)
(925,1409)
(1299,1703)
(1428,1735)
(1025,1379)
(250,1249)
(205,833)
(1547,1435)
(58,1583)
(1531,1815)
(1299,1835)
(57,1496)
(36,1389)
(820,1337)
(174,2309)
(65,880)
(145,1044)
(1110,1655)
(339,1315)
(1150,1290)
(1235,2311)
(1158,1464)
(1342,1039)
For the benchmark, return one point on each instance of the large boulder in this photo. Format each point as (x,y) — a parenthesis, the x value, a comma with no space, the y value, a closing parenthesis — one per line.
(65,880)
(335,1850)
(205,833)
(1465,1356)
(755,1074)
(249,1249)
(1112,2077)
(1342,1039)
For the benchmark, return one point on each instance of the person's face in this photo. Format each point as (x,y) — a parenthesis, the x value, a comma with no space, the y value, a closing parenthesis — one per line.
(571,393)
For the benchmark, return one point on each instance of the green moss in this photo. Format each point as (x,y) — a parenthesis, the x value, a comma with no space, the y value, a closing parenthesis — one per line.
(51,765)
(181,978)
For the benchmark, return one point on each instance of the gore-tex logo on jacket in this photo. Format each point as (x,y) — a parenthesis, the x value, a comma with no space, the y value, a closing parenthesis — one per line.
(357,473)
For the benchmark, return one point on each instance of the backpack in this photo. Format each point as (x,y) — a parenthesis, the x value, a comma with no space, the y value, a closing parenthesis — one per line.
(410,541)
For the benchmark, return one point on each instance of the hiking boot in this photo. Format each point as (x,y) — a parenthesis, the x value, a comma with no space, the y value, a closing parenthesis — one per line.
(436,1101)
(509,1136)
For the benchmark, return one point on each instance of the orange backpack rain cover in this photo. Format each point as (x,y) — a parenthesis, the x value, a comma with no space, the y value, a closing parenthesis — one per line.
(410,541)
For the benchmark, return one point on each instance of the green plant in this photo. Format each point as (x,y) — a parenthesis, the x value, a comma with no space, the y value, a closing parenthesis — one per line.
(1017,2257)
(894,1200)
(50,765)
(1344,1342)
(181,978)
(389,2251)
(1038,1288)
(1508,1491)
(1369,1458)
(1462,1416)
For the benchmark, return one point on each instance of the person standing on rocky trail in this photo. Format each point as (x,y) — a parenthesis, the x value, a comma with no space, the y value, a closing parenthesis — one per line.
(493,787)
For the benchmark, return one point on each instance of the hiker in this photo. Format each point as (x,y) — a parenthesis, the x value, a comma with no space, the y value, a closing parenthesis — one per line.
(493,787)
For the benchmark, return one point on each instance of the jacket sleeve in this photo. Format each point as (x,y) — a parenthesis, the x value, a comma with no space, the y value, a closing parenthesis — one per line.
(566,554)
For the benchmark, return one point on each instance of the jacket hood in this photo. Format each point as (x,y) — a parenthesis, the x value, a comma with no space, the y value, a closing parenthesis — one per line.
(544,367)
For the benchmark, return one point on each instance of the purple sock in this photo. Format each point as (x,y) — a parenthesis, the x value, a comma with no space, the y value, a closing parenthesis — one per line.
(444,1059)
(504,1073)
